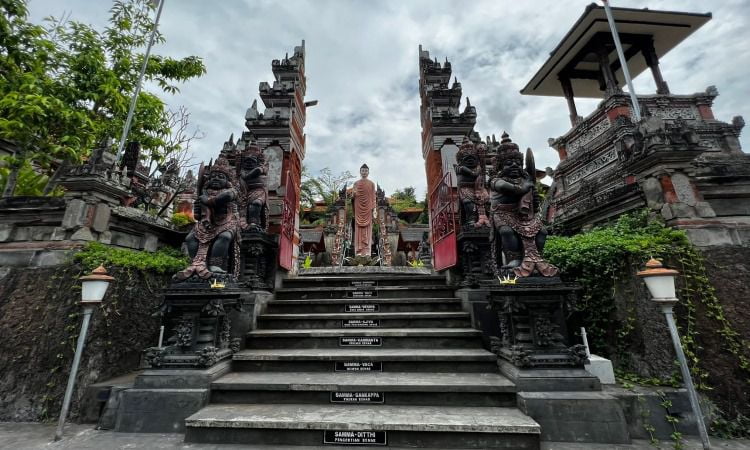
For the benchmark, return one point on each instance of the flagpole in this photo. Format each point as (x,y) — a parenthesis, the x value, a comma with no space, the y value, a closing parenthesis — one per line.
(131,110)
(623,62)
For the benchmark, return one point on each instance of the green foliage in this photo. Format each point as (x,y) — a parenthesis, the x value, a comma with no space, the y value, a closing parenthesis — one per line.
(308,262)
(405,198)
(29,181)
(738,427)
(182,219)
(605,256)
(66,86)
(323,187)
(164,260)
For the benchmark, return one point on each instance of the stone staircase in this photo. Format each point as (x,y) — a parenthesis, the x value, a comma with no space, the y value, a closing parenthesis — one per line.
(365,360)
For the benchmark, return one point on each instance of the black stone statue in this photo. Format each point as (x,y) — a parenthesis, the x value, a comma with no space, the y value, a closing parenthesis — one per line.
(253,189)
(518,234)
(215,233)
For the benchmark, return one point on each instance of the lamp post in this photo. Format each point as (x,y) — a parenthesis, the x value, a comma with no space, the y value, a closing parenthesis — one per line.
(660,283)
(93,288)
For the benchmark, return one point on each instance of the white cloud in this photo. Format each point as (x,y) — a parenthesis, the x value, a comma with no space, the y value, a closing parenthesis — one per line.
(362,66)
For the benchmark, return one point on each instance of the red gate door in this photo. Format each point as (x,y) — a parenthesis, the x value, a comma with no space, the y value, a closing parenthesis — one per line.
(288,217)
(443,224)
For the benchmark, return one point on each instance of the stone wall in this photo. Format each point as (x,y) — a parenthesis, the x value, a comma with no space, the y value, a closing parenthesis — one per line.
(39,323)
(648,351)
(41,231)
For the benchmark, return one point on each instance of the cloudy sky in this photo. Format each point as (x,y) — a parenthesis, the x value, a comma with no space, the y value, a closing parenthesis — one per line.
(362,66)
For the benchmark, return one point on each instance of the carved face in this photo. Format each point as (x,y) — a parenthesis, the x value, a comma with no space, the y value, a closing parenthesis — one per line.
(512,167)
(470,161)
(249,163)
(364,172)
(217,180)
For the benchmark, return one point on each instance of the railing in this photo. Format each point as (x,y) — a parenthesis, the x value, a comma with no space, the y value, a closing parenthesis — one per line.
(443,223)
(288,220)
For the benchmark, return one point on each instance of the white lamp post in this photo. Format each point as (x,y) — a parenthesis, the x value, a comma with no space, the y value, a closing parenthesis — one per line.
(660,283)
(93,288)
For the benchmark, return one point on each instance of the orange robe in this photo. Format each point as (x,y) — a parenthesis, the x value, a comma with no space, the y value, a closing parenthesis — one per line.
(364,204)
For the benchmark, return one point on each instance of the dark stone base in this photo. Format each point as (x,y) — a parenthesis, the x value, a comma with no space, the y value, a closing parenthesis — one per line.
(161,400)
(540,380)
(476,302)
(158,410)
(576,416)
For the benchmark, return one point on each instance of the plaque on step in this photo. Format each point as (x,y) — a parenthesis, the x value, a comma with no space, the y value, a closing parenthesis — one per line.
(357,397)
(363,294)
(348,437)
(364,284)
(360,323)
(361,307)
(358,366)
(360,341)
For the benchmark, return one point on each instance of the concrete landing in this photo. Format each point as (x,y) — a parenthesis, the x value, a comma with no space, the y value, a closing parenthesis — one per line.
(382,332)
(364,354)
(386,381)
(398,270)
(362,417)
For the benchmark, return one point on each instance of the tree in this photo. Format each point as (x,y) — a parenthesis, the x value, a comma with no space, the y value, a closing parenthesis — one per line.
(325,187)
(66,86)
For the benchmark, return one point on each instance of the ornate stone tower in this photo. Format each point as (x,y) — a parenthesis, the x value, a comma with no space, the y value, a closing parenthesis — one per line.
(443,124)
(279,132)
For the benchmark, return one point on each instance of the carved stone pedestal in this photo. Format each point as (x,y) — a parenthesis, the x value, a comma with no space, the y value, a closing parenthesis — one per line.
(259,251)
(202,325)
(533,344)
(476,256)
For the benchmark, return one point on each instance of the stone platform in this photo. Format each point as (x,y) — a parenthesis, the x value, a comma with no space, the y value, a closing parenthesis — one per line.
(364,355)
(335,270)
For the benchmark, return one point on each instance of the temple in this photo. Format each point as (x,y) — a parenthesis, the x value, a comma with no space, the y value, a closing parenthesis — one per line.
(279,131)
(287,326)
(679,160)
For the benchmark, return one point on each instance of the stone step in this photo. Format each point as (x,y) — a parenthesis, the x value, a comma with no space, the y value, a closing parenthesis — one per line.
(351,292)
(380,280)
(362,320)
(338,305)
(377,337)
(430,360)
(407,426)
(398,388)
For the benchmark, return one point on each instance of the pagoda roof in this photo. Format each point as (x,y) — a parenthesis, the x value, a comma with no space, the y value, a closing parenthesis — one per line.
(667,28)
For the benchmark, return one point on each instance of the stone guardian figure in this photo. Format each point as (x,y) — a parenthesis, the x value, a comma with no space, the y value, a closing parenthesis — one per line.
(364,202)
(518,234)
(471,189)
(214,238)
(253,192)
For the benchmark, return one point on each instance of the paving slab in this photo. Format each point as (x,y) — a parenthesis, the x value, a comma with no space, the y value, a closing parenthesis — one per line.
(38,436)
(365,417)
(386,381)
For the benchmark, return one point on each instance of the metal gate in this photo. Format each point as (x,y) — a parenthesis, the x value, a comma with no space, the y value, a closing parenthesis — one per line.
(443,224)
(288,220)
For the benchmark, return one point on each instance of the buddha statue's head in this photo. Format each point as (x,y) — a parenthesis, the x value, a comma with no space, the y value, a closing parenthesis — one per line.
(364,171)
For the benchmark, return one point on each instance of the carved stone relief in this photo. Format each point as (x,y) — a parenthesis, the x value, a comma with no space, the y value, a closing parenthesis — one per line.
(274,158)
(597,164)
(587,136)
(683,189)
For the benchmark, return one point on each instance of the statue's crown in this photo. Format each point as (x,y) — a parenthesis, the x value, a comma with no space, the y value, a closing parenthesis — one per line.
(222,165)
(467,148)
(508,149)
(252,149)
